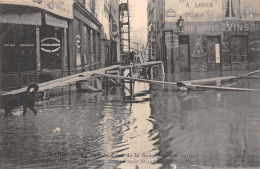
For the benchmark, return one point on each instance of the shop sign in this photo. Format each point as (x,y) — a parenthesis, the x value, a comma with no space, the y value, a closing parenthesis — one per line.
(9,45)
(217,49)
(50,44)
(78,41)
(21,45)
(26,45)
(171,13)
(62,8)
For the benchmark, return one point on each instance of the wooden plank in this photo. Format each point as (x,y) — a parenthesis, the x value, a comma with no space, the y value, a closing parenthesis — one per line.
(253,77)
(84,86)
(173,83)
(219,78)
(136,79)
(248,74)
(221,88)
(142,64)
(63,81)
(73,78)
(209,80)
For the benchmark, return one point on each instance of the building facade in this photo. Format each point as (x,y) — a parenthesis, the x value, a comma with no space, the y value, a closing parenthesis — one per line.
(84,38)
(216,34)
(33,41)
(43,40)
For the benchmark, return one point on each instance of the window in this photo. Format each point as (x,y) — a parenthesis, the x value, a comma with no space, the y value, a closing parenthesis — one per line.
(85,39)
(231,8)
(92,5)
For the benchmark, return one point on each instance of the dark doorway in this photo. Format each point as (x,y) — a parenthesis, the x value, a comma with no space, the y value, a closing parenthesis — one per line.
(238,49)
(184,53)
(214,54)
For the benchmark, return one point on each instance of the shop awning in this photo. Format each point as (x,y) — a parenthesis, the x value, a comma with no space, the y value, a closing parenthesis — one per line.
(22,18)
(54,21)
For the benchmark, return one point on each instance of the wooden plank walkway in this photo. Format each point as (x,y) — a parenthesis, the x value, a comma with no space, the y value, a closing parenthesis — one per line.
(136,79)
(78,77)
(101,72)
(141,64)
(63,81)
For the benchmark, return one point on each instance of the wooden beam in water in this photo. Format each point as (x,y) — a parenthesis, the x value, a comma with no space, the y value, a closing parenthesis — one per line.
(248,74)
(201,81)
(209,80)
(221,88)
(136,79)
(253,77)
(189,85)
(64,81)
(142,64)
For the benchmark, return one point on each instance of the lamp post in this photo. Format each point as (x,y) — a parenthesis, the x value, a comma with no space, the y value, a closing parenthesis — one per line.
(180,23)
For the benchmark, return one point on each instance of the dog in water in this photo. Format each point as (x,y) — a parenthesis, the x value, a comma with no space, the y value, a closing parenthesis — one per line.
(26,100)
(30,98)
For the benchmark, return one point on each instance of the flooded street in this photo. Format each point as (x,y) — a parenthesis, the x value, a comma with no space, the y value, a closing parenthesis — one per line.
(158,128)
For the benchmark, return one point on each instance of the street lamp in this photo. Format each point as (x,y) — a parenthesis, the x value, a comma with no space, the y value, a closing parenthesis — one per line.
(180,23)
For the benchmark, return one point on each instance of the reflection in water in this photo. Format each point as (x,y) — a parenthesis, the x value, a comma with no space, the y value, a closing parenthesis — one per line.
(153,127)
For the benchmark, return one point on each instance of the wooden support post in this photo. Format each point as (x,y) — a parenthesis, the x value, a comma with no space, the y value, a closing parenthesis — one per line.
(151,72)
(38,52)
(131,72)
(78,86)
(121,73)
(64,52)
(99,83)
(114,72)
(218,82)
(85,86)
(163,73)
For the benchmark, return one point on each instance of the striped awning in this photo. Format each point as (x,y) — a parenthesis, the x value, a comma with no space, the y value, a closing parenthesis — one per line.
(55,21)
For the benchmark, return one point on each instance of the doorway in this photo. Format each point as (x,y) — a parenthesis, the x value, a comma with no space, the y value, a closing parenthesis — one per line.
(214,55)
(184,53)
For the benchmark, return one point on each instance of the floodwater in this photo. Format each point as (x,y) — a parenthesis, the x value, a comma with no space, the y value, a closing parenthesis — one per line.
(152,127)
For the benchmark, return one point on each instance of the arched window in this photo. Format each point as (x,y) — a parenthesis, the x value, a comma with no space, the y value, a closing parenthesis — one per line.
(231,8)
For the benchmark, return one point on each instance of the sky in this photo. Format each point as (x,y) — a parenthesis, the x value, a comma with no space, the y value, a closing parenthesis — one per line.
(138,13)
(138,20)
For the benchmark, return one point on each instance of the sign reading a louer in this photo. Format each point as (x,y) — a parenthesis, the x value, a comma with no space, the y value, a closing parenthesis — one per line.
(62,8)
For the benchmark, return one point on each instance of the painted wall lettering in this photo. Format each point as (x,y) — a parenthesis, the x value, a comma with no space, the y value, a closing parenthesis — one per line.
(225,47)
(195,10)
(254,45)
(221,26)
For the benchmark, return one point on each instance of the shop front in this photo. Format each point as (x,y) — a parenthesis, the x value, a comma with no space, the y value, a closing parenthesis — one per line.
(213,46)
(84,41)
(33,45)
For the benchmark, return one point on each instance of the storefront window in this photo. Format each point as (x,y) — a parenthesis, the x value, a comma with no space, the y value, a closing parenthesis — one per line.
(98,47)
(85,39)
(78,42)
(51,48)
(95,45)
(92,46)
(18,49)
